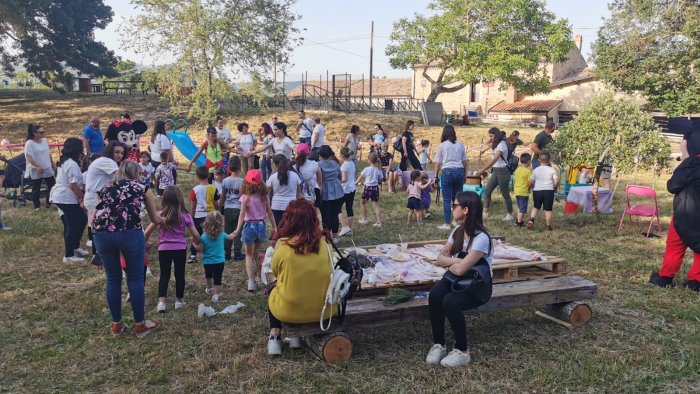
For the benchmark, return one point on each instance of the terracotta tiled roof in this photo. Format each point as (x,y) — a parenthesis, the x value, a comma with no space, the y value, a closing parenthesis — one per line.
(381,87)
(526,106)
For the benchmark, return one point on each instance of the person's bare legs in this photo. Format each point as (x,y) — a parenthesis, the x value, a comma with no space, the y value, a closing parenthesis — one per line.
(343,218)
(256,247)
(408,219)
(519,216)
(548,218)
(363,209)
(249,262)
(377,212)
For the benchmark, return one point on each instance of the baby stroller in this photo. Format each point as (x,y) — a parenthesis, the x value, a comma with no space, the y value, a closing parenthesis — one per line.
(14,179)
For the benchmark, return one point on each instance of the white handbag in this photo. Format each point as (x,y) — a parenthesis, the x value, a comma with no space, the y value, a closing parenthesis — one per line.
(338,288)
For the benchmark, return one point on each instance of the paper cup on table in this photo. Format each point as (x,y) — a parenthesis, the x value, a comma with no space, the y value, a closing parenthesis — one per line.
(404,246)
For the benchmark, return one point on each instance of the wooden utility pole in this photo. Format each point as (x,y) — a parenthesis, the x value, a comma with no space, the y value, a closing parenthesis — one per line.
(371,55)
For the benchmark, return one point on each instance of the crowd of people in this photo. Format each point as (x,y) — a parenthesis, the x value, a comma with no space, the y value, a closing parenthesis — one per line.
(262,188)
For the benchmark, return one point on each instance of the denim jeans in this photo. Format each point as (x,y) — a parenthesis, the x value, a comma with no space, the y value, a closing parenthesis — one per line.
(451,183)
(266,168)
(74,222)
(132,245)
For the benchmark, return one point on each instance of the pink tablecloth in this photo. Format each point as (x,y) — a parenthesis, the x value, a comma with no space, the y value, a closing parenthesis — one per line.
(583,196)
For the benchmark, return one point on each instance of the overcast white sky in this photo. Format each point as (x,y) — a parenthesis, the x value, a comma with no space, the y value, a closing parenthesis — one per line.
(337,34)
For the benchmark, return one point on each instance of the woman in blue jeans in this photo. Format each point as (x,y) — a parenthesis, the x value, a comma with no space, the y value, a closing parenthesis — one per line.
(118,230)
(451,159)
(68,195)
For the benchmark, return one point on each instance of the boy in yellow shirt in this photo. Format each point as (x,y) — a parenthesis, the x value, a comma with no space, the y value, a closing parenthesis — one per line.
(521,187)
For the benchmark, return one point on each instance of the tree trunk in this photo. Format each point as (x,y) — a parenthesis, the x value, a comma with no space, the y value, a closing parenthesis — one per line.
(576,313)
(333,348)
(432,96)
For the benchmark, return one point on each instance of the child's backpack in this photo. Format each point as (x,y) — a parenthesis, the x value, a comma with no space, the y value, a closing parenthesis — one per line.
(345,280)
(398,146)
(308,191)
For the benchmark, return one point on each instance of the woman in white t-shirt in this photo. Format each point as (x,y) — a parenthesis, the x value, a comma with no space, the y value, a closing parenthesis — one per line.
(310,174)
(246,143)
(68,195)
(352,142)
(283,186)
(500,176)
(469,246)
(265,137)
(281,144)
(39,167)
(348,171)
(451,162)
(160,143)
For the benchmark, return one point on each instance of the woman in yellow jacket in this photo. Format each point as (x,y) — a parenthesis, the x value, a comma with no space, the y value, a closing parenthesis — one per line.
(302,265)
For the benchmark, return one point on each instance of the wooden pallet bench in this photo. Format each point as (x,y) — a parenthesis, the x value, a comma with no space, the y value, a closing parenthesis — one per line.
(560,296)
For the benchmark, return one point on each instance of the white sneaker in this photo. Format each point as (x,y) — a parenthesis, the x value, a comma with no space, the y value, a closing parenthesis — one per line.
(148,272)
(208,290)
(344,231)
(180,304)
(204,310)
(161,307)
(252,286)
(88,244)
(81,252)
(6,229)
(508,218)
(274,347)
(436,353)
(363,221)
(377,225)
(215,298)
(444,226)
(192,259)
(73,259)
(294,342)
(456,358)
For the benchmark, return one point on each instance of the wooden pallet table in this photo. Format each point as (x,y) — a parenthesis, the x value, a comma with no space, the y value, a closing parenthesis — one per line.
(563,297)
(504,271)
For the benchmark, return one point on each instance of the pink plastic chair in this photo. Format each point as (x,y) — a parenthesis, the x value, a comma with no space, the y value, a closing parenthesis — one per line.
(641,210)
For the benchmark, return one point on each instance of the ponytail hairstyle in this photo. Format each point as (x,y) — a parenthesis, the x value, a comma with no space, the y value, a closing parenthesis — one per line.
(345,153)
(283,127)
(282,164)
(300,160)
(325,152)
(31,130)
(173,204)
(415,175)
(473,223)
(159,129)
(72,149)
(498,136)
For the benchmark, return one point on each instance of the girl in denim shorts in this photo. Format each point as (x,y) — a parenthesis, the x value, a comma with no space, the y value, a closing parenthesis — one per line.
(251,221)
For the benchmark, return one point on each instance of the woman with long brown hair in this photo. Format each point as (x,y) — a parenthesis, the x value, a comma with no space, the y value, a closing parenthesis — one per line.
(302,265)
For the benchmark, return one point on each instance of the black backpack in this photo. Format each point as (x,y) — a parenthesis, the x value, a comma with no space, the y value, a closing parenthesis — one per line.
(512,161)
(398,146)
(354,269)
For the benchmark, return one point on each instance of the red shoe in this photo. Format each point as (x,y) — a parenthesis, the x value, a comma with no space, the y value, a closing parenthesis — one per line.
(117,329)
(147,327)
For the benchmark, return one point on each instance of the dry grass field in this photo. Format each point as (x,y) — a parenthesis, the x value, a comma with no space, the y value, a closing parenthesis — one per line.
(55,324)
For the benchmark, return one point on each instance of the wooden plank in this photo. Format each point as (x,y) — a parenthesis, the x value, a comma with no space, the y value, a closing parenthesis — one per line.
(370,312)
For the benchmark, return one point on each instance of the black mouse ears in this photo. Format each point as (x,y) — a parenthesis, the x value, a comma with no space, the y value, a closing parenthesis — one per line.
(139,126)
